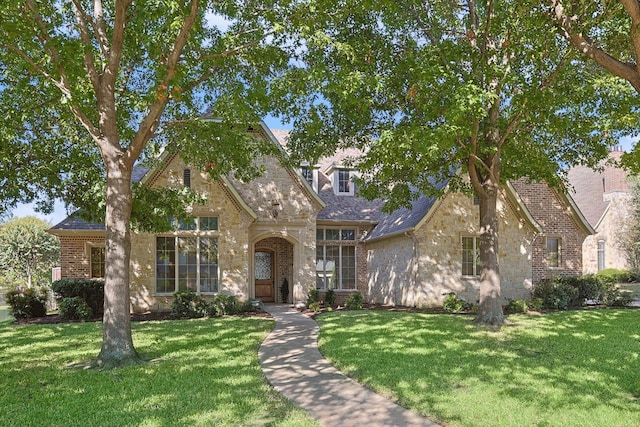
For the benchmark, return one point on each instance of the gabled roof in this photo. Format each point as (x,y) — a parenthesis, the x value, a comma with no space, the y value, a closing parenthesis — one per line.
(403,219)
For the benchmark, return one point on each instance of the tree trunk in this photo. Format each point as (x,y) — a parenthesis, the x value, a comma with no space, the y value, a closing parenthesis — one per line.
(117,343)
(490,309)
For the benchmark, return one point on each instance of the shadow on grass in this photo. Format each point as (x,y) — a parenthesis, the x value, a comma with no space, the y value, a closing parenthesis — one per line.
(574,368)
(205,372)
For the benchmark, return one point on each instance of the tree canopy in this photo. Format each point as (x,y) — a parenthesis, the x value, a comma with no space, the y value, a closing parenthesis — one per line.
(27,251)
(468,93)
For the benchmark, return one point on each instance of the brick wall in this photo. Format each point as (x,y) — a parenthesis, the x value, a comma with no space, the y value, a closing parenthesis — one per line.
(556,221)
(74,255)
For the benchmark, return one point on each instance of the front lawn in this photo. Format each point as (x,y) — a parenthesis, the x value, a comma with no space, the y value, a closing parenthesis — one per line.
(575,368)
(202,372)
(634,288)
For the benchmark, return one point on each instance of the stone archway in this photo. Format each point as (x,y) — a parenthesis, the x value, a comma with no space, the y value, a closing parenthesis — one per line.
(272,264)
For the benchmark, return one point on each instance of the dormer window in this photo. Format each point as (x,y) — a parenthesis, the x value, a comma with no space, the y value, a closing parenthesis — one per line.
(309,174)
(341,180)
(344,182)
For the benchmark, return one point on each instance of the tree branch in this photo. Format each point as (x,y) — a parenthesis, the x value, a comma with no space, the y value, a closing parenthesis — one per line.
(621,69)
(150,122)
(99,28)
(633,10)
(89,60)
(63,83)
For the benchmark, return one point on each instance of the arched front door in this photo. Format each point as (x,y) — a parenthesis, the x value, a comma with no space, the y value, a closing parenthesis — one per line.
(263,275)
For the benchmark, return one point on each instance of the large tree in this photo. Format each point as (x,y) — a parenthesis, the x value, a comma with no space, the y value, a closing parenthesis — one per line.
(27,251)
(86,85)
(463,92)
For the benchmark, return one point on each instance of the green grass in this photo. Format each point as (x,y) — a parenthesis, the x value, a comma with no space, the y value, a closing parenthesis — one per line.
(576,368)
(202,372)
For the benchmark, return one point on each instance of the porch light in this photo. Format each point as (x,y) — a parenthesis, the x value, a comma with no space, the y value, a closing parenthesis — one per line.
(274,208)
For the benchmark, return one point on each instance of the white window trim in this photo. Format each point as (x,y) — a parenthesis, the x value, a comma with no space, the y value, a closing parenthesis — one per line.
(476,263)
(336,182)
(314,175)
(197,233)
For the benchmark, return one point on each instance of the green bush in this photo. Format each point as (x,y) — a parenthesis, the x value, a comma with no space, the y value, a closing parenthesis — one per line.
(314,296)
(91,291)
(29,302)
(556,293)
(315,306)
(517,306)
(613,296)
(355,301)
(330,298)
(617,276)
(74,308)
(224,305)
(453,304)
(188,304)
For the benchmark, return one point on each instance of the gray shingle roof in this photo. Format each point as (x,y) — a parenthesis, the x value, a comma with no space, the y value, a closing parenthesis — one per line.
(73,222)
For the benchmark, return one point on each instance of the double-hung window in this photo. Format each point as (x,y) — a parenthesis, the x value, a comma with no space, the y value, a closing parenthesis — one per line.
(344,181)
(601,246)
(97,261)
(188,260)
(470,256)
(554,246)
(336,259)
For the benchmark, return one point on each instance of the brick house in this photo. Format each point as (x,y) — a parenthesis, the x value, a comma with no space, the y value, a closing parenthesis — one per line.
(604,197)
(309,227)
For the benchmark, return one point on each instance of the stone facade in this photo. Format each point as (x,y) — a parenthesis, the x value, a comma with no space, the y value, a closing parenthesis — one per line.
(419,268)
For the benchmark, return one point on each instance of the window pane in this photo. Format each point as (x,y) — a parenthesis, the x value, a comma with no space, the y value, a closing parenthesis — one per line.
(208,265)
(97,262)
(263,266)
(332,234)
(553,252)
(348,235)
(165,264)
(209,223)
(600,255)
(320,272)
(332,266)
(319,234)
(344,184)
(187,263)
(348,267)
(470,256)
(187,224)
(307,174)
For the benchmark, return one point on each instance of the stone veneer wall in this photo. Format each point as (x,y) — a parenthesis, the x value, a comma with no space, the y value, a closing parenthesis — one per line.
(420,268)
(611,230)
(75,255)
(556,221)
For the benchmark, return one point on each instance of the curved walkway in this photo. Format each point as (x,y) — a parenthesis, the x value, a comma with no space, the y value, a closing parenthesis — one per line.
(294,366)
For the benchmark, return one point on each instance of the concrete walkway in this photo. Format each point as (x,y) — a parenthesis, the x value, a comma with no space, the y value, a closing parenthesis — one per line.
(295,367)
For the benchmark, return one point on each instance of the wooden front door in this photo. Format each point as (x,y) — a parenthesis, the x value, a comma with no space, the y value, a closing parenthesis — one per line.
(263,274)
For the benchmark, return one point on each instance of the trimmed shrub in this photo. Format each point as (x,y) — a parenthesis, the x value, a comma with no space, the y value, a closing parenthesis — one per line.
(355,301)
(91,291)
(555,293)
(74,308)
(453,304)
(613,296)
(315,306)
(517,306)
(27,302)
(224,305)
(330,298)
(614,275)
(314,296)
(188,304)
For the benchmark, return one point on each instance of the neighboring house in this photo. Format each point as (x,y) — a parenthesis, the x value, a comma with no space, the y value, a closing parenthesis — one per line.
(604,198)
(308,226)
